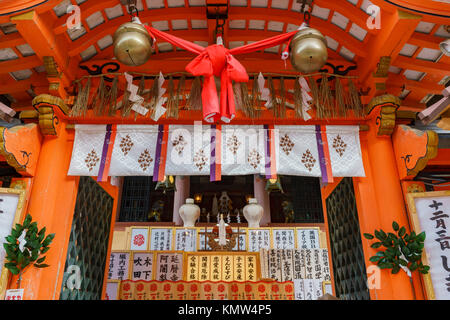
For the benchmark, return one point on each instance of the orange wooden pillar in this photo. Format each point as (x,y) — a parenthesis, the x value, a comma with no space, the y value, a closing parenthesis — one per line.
(379,194)
(52,201)
(413,149)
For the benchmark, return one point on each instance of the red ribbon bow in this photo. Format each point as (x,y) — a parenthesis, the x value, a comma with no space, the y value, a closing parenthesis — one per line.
(218,61)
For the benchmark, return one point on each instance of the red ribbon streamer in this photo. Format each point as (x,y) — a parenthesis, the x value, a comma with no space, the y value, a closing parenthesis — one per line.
(218,61)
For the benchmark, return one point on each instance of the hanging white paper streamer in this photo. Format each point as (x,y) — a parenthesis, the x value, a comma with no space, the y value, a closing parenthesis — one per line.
(159,109)
(265,92)
(136,99)
(305,92)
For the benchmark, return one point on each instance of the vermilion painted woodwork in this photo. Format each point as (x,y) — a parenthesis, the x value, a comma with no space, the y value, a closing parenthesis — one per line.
(413,148)
(21,145)
(53,209)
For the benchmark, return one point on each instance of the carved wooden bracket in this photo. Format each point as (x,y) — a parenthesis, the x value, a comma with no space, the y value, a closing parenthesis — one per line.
(382,110)
(20,145)
(51,110)
(413,148)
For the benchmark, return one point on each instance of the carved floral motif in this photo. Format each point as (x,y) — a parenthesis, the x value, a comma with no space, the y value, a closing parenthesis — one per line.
(126,144)
(233,144)
(91,160)
(254,158)
(308,160)
(339,145)
(200,159)
(145,160)
(179,143)
(286,144)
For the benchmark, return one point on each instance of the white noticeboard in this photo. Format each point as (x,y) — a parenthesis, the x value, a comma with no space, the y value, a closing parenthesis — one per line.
(430,212)
(186,239)
(139,239)
(14,294)
(11,204)
(160,239)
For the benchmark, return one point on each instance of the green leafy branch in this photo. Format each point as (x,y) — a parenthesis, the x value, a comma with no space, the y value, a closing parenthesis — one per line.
(35,246)
(402,249)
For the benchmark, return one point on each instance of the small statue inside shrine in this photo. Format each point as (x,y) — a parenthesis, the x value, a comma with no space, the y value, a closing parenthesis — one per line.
(288,211)
(156,211)
(215,208)
(225,203)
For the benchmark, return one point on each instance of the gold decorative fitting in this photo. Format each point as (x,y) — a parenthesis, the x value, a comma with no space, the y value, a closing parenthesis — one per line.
(383,67)
(412,188)
(51,67)
(383,109)
(50,109)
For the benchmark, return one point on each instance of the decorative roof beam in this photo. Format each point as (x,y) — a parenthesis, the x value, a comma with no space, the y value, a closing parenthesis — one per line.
(20,64)
(43,42)
(397,29)
(12,86)
(399,83)
(350,11)
(83,43)
(145,16)
(437,69)
(351,43)
(11,40)
(425,40)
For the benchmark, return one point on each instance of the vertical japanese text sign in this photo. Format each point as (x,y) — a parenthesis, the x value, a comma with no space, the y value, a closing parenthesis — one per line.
(430,212)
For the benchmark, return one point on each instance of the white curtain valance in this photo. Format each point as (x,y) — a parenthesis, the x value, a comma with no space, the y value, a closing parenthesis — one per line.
(133,150)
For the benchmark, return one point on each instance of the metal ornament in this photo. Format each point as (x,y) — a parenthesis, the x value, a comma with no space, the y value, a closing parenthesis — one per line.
(308,50)
(132,44)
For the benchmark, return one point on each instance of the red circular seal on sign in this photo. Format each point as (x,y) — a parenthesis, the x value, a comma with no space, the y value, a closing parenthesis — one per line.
(180,287)
(221,288)
(194,287)
(261,288)
(275,288)
(234,288)
(139,240)
(167,287)
(207,287)
(126,287)
(140,287)
(153,287)
(248,288)
(288,288)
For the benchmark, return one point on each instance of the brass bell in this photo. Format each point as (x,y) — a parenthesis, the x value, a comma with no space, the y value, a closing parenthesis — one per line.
(308,50)
(132,44)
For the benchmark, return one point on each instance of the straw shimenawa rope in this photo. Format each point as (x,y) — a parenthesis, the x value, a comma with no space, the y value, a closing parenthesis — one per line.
(281,113)
(98,102)
(326,98)
(172,109)
(194,102)
(355,101)
(340,98)
(316,98)
(256,98)
(327,104)
(112,96)
(298,99)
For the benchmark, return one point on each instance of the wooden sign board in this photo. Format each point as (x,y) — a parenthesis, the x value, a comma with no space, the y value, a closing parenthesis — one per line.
(185,239)
(11,205)
(283,238)
(142,265)
(161,239)
(430,212)
(169,266)
(112,290)
(222,266)
(119,262)
(139,239)
(257,239)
